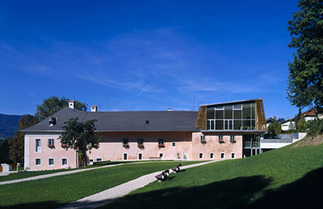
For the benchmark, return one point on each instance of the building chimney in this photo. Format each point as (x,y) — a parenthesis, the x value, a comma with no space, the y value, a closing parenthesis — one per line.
(274,117)
(71,104)
(94,108)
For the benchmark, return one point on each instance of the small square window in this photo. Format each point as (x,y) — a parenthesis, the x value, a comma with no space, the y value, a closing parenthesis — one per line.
(160,141)
(51,161)
(211,155)
(173,144)
(64,161)
(38,162)
(221,137)
(200,155)
(222,155)
(98,159)
(147,121)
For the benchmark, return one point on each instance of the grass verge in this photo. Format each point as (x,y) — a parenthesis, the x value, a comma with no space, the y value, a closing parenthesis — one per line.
(57,191)
(283,178)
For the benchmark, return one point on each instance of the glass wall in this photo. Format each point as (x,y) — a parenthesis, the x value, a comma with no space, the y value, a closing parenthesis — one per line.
(231,117)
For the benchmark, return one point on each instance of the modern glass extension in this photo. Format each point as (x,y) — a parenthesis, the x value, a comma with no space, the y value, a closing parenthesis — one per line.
(231,117)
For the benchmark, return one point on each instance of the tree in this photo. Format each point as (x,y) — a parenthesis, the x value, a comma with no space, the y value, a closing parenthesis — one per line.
(281,120)
(274,129)
(53,104)
(302,125)
(305,84)
(16,145)
(80,137)
(4,150)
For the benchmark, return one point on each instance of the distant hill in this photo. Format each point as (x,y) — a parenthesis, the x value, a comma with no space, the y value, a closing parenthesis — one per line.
(8,125)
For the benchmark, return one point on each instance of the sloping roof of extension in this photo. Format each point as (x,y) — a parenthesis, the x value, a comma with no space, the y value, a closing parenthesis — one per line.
(129,121)
(232,102)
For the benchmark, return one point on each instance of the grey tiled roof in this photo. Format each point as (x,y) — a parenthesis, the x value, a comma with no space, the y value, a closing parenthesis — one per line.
(123,121)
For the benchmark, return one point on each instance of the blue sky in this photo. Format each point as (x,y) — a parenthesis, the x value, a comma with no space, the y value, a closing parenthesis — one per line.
(145,55)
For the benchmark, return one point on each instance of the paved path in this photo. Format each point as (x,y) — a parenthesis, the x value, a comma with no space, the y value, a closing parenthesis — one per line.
(55,174)
(106,196)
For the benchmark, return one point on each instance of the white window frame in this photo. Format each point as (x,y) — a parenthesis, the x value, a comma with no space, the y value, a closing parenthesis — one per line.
(64,158)
(39,162)
(123,156)
(211,155)
(173,144)
(51,158)
(201,155)
(37,147)
(98,159)
(161,155)
(51,141)
(221,137)
(140,154)
(222,153)
(233,155)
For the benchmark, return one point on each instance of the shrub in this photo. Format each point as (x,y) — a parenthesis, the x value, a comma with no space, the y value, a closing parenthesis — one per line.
(315,127)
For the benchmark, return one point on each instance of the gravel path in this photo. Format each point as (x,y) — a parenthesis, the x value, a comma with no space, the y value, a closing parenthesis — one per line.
(106,196)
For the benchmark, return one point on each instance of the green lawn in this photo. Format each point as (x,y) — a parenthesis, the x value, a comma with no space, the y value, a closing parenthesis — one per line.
(283,178)
(57,191)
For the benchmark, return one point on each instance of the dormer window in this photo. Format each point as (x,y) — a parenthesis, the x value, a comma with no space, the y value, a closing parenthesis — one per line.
(52,121)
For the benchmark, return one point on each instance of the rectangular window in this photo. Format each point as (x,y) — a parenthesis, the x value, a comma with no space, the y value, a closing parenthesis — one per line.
(160,141)
(51,143)
(232,138)
(140,156)
(222,155)
(237,107)
(228,112)
(210,113)
(161,155)
(211,155)
(220,137)
(98,159)
(38,145)
(51,161)
(125,141)
(140,141)
(219,125)
(219,114)
(173,144)
(233,155)
(125,156)
(200,155)
(37,161)
(64,161)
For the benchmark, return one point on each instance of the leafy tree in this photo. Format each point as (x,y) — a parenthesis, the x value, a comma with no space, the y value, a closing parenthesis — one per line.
(16,145)
(4,150)
(274,129)
(302,125)
(80,137)
(281,120)
(305,83)
(315,127)
(53,104)
(298,117)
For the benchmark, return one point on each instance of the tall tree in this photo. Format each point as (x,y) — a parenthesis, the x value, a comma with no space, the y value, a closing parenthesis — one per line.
(80,137)
(53,104)
(305,84)
(274,129)
(4,150)
(16,145)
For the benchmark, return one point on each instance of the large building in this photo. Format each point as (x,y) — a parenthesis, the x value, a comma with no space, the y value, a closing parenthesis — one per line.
(217,131)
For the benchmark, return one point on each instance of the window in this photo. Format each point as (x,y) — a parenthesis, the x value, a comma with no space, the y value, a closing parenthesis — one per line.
(98,159)
(222,155)
(200,155)
(160,141)
(161,155)
(140,156)
(232,138)
(64,161)
(221,137)
(37,161)
(38,145)
(233,155)
(51,161)
(140,143)
(211,155)
(173,144)
(125,156)
(51,143)
(147,121)
(202,138)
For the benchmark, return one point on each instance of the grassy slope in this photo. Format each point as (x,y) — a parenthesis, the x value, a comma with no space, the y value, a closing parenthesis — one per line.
(283,178)
(57,191)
